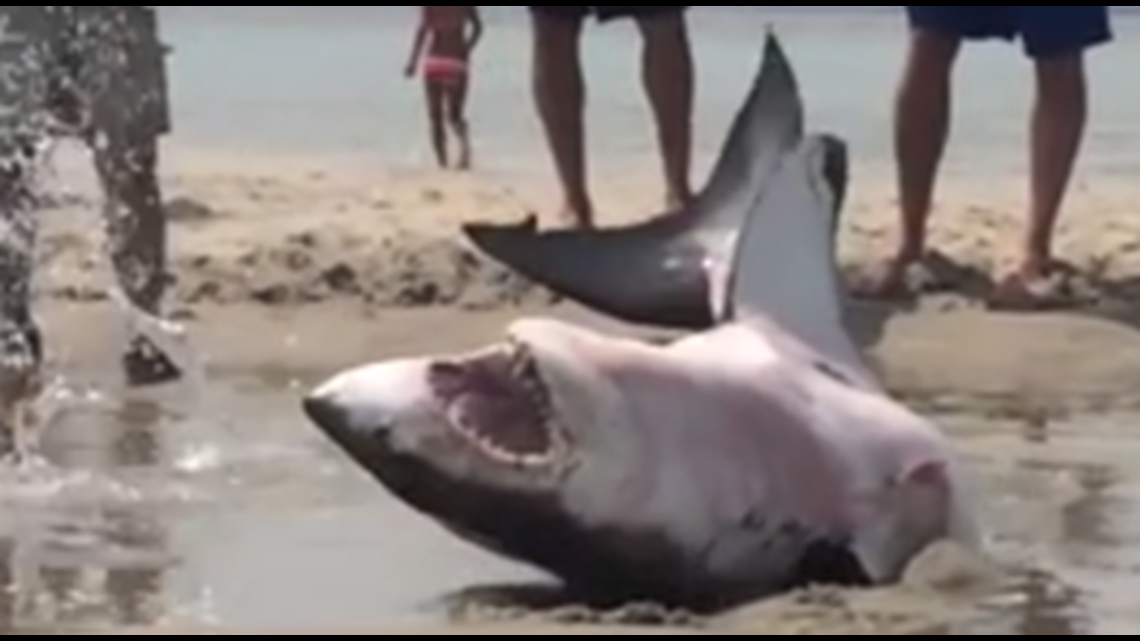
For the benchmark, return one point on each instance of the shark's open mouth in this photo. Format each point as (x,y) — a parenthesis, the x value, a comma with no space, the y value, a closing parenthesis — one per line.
(497,400)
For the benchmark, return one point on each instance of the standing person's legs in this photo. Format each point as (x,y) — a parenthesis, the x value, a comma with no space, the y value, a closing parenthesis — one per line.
(124,78)
(434,99)
(923,105)
(1056,38)
(455,90)
(560,96)
(667,73)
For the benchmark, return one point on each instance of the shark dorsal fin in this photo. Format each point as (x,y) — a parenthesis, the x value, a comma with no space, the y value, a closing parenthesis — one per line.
(770,125)
(784,264)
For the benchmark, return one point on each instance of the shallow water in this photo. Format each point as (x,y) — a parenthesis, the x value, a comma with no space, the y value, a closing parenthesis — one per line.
(221,506)
(236,514)
(1063,505)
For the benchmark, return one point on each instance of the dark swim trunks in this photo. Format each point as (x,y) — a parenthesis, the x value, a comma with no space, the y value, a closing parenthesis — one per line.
(603,14)
(1045,31)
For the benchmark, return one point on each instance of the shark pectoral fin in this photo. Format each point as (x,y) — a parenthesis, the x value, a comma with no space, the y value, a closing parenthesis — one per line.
(949,514)
(925,472)
(898,521)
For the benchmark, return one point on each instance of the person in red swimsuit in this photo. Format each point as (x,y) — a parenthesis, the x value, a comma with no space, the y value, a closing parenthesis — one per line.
(441,52)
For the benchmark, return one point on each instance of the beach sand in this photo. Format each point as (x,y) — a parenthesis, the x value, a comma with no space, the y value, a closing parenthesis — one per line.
(262,241)
(312,264)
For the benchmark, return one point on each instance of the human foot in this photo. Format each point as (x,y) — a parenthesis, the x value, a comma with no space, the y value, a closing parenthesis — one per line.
(580,215)
(465,155)
(906,275)
(144,364)
(1030,288)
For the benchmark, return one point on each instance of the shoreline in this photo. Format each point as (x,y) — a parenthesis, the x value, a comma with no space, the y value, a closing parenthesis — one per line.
(1014,365)
(299,228)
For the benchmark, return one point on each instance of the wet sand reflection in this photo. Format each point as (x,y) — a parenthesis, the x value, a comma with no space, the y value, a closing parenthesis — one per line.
(1066,510)
(90,566)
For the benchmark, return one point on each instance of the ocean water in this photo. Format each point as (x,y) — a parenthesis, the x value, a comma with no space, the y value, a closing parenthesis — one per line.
(306,79)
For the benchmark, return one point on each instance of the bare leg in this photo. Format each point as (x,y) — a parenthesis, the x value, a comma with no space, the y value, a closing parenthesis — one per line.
(434,94)
(137,225)
(1056,130)
(667,73)
(560,95)
(457,117)
(921,129)
(1059,116)
(136,228)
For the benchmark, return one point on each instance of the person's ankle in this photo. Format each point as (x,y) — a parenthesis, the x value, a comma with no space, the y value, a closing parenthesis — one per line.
(908,254)
(578,219)
(1035,263)
(144,364)
(678,199)
(578,211)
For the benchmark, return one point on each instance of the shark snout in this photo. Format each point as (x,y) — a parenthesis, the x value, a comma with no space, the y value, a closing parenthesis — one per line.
(347,413)
(355,426)
(368,401)
(327,413)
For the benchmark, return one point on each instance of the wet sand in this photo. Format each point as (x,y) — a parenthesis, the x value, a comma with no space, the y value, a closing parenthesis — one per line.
(251,500)
(212,506)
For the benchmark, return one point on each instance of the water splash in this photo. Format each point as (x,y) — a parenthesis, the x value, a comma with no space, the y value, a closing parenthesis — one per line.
(39,413)
(167,335)
(21,348)
(28,403)
(37,482)
(26,142)
(52,62)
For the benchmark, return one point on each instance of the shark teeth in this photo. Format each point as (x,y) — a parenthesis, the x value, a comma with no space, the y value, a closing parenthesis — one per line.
(488,447)
(523,370)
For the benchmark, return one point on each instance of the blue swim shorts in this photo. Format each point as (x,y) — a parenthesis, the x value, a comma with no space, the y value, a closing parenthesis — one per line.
(1045,31)
(606,13)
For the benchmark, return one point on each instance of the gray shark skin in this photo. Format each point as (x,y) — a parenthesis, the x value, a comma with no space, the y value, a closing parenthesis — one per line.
(652,272)
(728,464)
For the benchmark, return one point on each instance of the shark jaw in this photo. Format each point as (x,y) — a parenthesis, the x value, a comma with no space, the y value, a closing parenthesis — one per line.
(496,399)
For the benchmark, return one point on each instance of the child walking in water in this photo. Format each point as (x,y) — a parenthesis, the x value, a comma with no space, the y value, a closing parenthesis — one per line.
(443,32)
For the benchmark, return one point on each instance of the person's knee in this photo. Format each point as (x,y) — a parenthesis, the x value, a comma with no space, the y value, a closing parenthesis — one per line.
(435,100)
(665,32)
(1061,79)
(555,33)
(454,107)
(932,56)
(1062,32)
(557,70)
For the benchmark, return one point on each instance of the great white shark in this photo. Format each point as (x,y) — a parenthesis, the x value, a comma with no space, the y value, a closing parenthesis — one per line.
(653,272)
(756,455)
